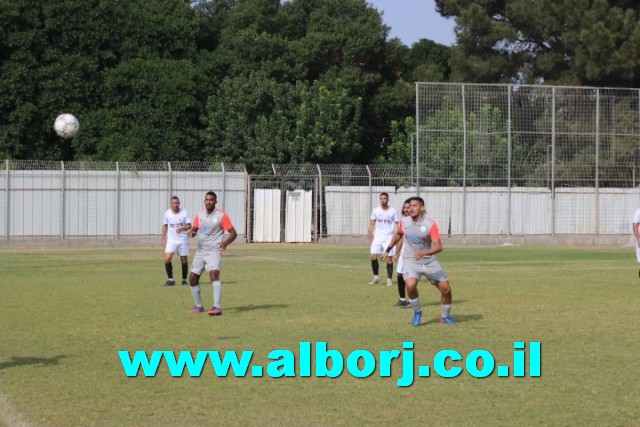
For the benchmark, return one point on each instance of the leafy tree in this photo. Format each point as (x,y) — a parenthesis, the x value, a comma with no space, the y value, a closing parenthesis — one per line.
(582,42)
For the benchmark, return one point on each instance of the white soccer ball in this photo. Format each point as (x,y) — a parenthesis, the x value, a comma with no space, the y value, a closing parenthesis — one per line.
(66,125)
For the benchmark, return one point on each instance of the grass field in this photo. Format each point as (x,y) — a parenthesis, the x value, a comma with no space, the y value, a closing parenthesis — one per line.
(64,314)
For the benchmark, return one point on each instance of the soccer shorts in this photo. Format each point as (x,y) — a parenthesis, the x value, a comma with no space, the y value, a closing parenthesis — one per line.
(206,261)
(432,270)
(380,244)
(173,246)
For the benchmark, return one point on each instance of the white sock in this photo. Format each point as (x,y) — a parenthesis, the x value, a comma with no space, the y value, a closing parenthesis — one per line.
(415,304)
(446,310)
(195,293)
(217,294)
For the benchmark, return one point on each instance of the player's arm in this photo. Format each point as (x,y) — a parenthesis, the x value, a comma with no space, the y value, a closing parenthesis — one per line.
(163,234)
(436,248)
(195,226)
(232,236)
(636,232)
(396,238)
(372,226)
(185,227)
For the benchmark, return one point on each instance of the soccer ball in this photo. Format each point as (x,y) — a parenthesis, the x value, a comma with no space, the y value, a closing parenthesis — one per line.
(66,126)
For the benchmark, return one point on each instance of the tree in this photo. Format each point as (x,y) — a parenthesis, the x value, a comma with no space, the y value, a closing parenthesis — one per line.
(593,43)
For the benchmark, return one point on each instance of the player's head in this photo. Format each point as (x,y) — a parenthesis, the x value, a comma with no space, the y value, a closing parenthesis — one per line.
(384,199)
(416,207)
(175,204)
(210,200)
(405,207)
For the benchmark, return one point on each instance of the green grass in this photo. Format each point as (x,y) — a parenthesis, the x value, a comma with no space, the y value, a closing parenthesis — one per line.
(65,313)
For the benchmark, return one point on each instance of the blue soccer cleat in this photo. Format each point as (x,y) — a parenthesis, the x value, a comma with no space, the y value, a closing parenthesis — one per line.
(447,320)
(417,317)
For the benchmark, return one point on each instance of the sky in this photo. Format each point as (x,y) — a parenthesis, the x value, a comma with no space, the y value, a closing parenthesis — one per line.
(412,20)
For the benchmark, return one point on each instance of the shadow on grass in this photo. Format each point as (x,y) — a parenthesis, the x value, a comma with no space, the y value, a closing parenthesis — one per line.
(252,307)
(24,361)
(459,318)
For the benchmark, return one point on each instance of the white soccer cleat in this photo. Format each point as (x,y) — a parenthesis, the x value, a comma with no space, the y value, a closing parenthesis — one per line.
(389,282)
(375,280)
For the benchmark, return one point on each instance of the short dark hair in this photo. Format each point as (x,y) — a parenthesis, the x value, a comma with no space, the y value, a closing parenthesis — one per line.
(384,194)
(417,199)
(175,198)
(211,193)
(407,201)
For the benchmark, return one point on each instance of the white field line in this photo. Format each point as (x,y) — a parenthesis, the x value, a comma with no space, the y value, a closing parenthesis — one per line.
(8,415)
(305,262)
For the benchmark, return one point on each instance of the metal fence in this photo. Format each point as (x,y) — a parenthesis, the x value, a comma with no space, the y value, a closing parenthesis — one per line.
(295,203)
(499,160)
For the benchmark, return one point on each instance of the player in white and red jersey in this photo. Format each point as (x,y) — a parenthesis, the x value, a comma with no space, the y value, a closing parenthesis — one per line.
(402,302)
(210,225)
(175,238)
(421,244)
(382,226)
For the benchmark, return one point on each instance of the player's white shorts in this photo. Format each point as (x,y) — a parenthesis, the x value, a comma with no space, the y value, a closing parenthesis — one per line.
(400,265)
(433,271)
(206,261)
(380,244)
(173,246)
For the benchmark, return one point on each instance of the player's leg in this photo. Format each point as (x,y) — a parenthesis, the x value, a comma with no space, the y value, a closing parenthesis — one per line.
(412,273)
(169,249)
(194,280)
(385,244)
(184,261)
(402,302)
(214,261)
(439,278)
(375,251)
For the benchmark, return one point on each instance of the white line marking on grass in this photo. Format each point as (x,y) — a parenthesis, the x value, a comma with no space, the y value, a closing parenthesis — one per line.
(8,415)
(303,262)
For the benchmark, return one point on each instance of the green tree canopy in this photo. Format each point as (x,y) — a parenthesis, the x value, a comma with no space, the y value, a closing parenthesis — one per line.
(572,42)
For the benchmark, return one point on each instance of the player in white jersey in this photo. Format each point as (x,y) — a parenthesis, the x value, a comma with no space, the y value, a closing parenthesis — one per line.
(210,225)
(175,238)
(402,302)
(421,244)
(636,232)
(382,226)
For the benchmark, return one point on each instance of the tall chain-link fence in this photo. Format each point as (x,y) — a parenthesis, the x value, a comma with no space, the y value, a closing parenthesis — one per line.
(490,160)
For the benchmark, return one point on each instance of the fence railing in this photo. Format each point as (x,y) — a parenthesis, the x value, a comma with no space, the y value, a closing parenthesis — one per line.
(113,200)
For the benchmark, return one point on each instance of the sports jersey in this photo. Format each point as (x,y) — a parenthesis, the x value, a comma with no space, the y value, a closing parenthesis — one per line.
(174,220)
(418,236)
(636,216)
(385,221)
(211,228)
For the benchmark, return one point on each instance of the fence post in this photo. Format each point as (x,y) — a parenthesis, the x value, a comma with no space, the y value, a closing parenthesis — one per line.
(63,189)
(369,205)
(597,165)
(417,139)
(170,170)
(509,166)
(224,186)
(464,164)
(553,161)
(117,200)
(319,205)
(247,222)
(7,199)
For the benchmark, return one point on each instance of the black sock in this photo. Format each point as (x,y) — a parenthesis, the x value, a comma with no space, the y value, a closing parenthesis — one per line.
(375,266)
(169,267)
(389,271)
(401,286)
(185,271)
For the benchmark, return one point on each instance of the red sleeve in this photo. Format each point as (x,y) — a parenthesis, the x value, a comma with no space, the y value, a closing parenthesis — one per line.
(400,229)
(226,222)
(434,233)
(196,222)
